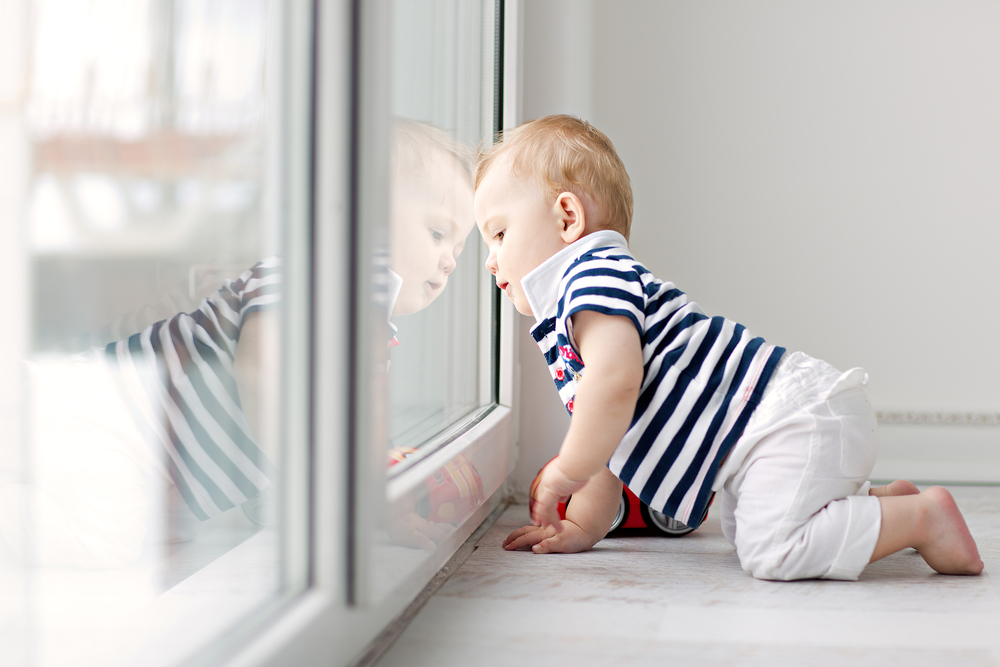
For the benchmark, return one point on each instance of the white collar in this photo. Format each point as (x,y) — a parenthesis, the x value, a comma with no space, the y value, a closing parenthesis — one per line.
(393,284)
(541,284)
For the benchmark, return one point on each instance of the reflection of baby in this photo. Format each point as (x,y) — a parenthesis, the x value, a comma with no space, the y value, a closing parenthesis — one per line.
(168,419)
(430,212)
(430,218)
(146,436)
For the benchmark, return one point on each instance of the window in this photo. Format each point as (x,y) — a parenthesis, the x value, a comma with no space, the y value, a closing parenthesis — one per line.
(440,376)
(250,379)
(150,226)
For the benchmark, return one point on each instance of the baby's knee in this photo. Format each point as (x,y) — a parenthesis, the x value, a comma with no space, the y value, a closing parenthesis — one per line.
(835,543)
(764,557)
(790,558)
(783,561)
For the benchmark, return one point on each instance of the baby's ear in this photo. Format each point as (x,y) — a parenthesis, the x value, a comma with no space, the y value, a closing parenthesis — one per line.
(572,216)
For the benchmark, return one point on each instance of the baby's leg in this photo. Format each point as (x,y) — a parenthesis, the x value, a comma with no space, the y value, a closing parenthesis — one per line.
(798,512)
(727,515)
(931,523)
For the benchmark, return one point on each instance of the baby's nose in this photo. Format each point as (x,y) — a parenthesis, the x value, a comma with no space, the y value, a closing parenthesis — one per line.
(491,263)
(448,262)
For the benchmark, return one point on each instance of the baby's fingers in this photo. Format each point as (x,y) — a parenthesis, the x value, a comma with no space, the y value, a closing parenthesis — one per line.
(557,544)
(545,513)
(517,534)
(563,542)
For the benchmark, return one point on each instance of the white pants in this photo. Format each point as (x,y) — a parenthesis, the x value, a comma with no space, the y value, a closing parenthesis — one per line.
(794,490)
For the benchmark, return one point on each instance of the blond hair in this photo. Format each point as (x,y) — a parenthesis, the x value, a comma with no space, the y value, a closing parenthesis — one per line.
(566,154)
(414,143)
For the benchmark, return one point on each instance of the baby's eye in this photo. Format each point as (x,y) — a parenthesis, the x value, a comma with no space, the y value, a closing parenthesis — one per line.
(499,236)
(437,236)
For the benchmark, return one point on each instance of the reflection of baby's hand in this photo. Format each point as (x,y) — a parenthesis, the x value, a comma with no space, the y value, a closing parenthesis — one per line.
(412,530)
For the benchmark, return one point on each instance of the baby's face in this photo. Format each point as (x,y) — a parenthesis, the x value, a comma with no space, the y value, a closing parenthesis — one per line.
(521,228)
(430,218)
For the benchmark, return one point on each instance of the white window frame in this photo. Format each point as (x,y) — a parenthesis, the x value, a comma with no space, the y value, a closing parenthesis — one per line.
(328,623)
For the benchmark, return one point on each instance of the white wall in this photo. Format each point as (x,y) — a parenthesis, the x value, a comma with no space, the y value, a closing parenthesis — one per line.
(825,173)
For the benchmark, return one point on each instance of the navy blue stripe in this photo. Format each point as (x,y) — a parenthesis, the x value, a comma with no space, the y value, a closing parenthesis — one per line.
(239,436)
(261,271)
(680,438)
(135,345)
(542,329)
(582,293)
(229,330)
(231,298)
(257,307)
(551,355)
(218,496)
(209,355)
(657,303)
(193,372)
(264,290)
(185,490)
(688,321)
(172,469)
(628,276)
(211,402)
(207,324)
(703,495)
(237,285)
(652,431)
(604,310)
(154,341)
(618,257)
(680,314)
(216,412)
(765,376)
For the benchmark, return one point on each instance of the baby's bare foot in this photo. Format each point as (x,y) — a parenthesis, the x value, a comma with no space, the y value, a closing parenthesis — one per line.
(900,487)
(949,547)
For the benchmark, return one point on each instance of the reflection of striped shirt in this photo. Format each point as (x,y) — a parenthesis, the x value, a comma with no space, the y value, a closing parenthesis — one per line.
(702,378)
(178,377)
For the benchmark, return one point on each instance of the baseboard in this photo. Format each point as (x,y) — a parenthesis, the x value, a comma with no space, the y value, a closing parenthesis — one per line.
(939,453)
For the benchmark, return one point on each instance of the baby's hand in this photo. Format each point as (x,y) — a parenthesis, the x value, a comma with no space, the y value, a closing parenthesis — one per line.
(554,487)
(570,539)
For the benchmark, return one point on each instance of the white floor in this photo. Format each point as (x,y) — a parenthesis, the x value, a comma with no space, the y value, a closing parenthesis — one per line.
(647,600)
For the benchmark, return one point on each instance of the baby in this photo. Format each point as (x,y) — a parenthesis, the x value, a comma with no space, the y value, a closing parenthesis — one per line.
(679,405)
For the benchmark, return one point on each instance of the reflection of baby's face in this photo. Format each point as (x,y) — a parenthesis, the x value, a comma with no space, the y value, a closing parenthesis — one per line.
(430,217)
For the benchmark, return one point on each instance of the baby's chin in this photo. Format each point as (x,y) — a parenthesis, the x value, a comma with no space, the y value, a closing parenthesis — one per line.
(412,301)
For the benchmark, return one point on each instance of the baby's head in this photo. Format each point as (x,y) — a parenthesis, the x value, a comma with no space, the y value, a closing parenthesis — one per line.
(430,211)
(549,182)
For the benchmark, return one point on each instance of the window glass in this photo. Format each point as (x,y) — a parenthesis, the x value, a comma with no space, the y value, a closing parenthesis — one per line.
(437,100)
(438,375)
(143,367)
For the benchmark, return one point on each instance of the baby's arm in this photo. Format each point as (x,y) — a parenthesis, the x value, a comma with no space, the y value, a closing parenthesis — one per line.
(256,370)
(588,519)
(603,408)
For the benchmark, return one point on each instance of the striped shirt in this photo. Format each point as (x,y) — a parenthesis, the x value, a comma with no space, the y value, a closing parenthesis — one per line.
(702,376)
(177,378)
